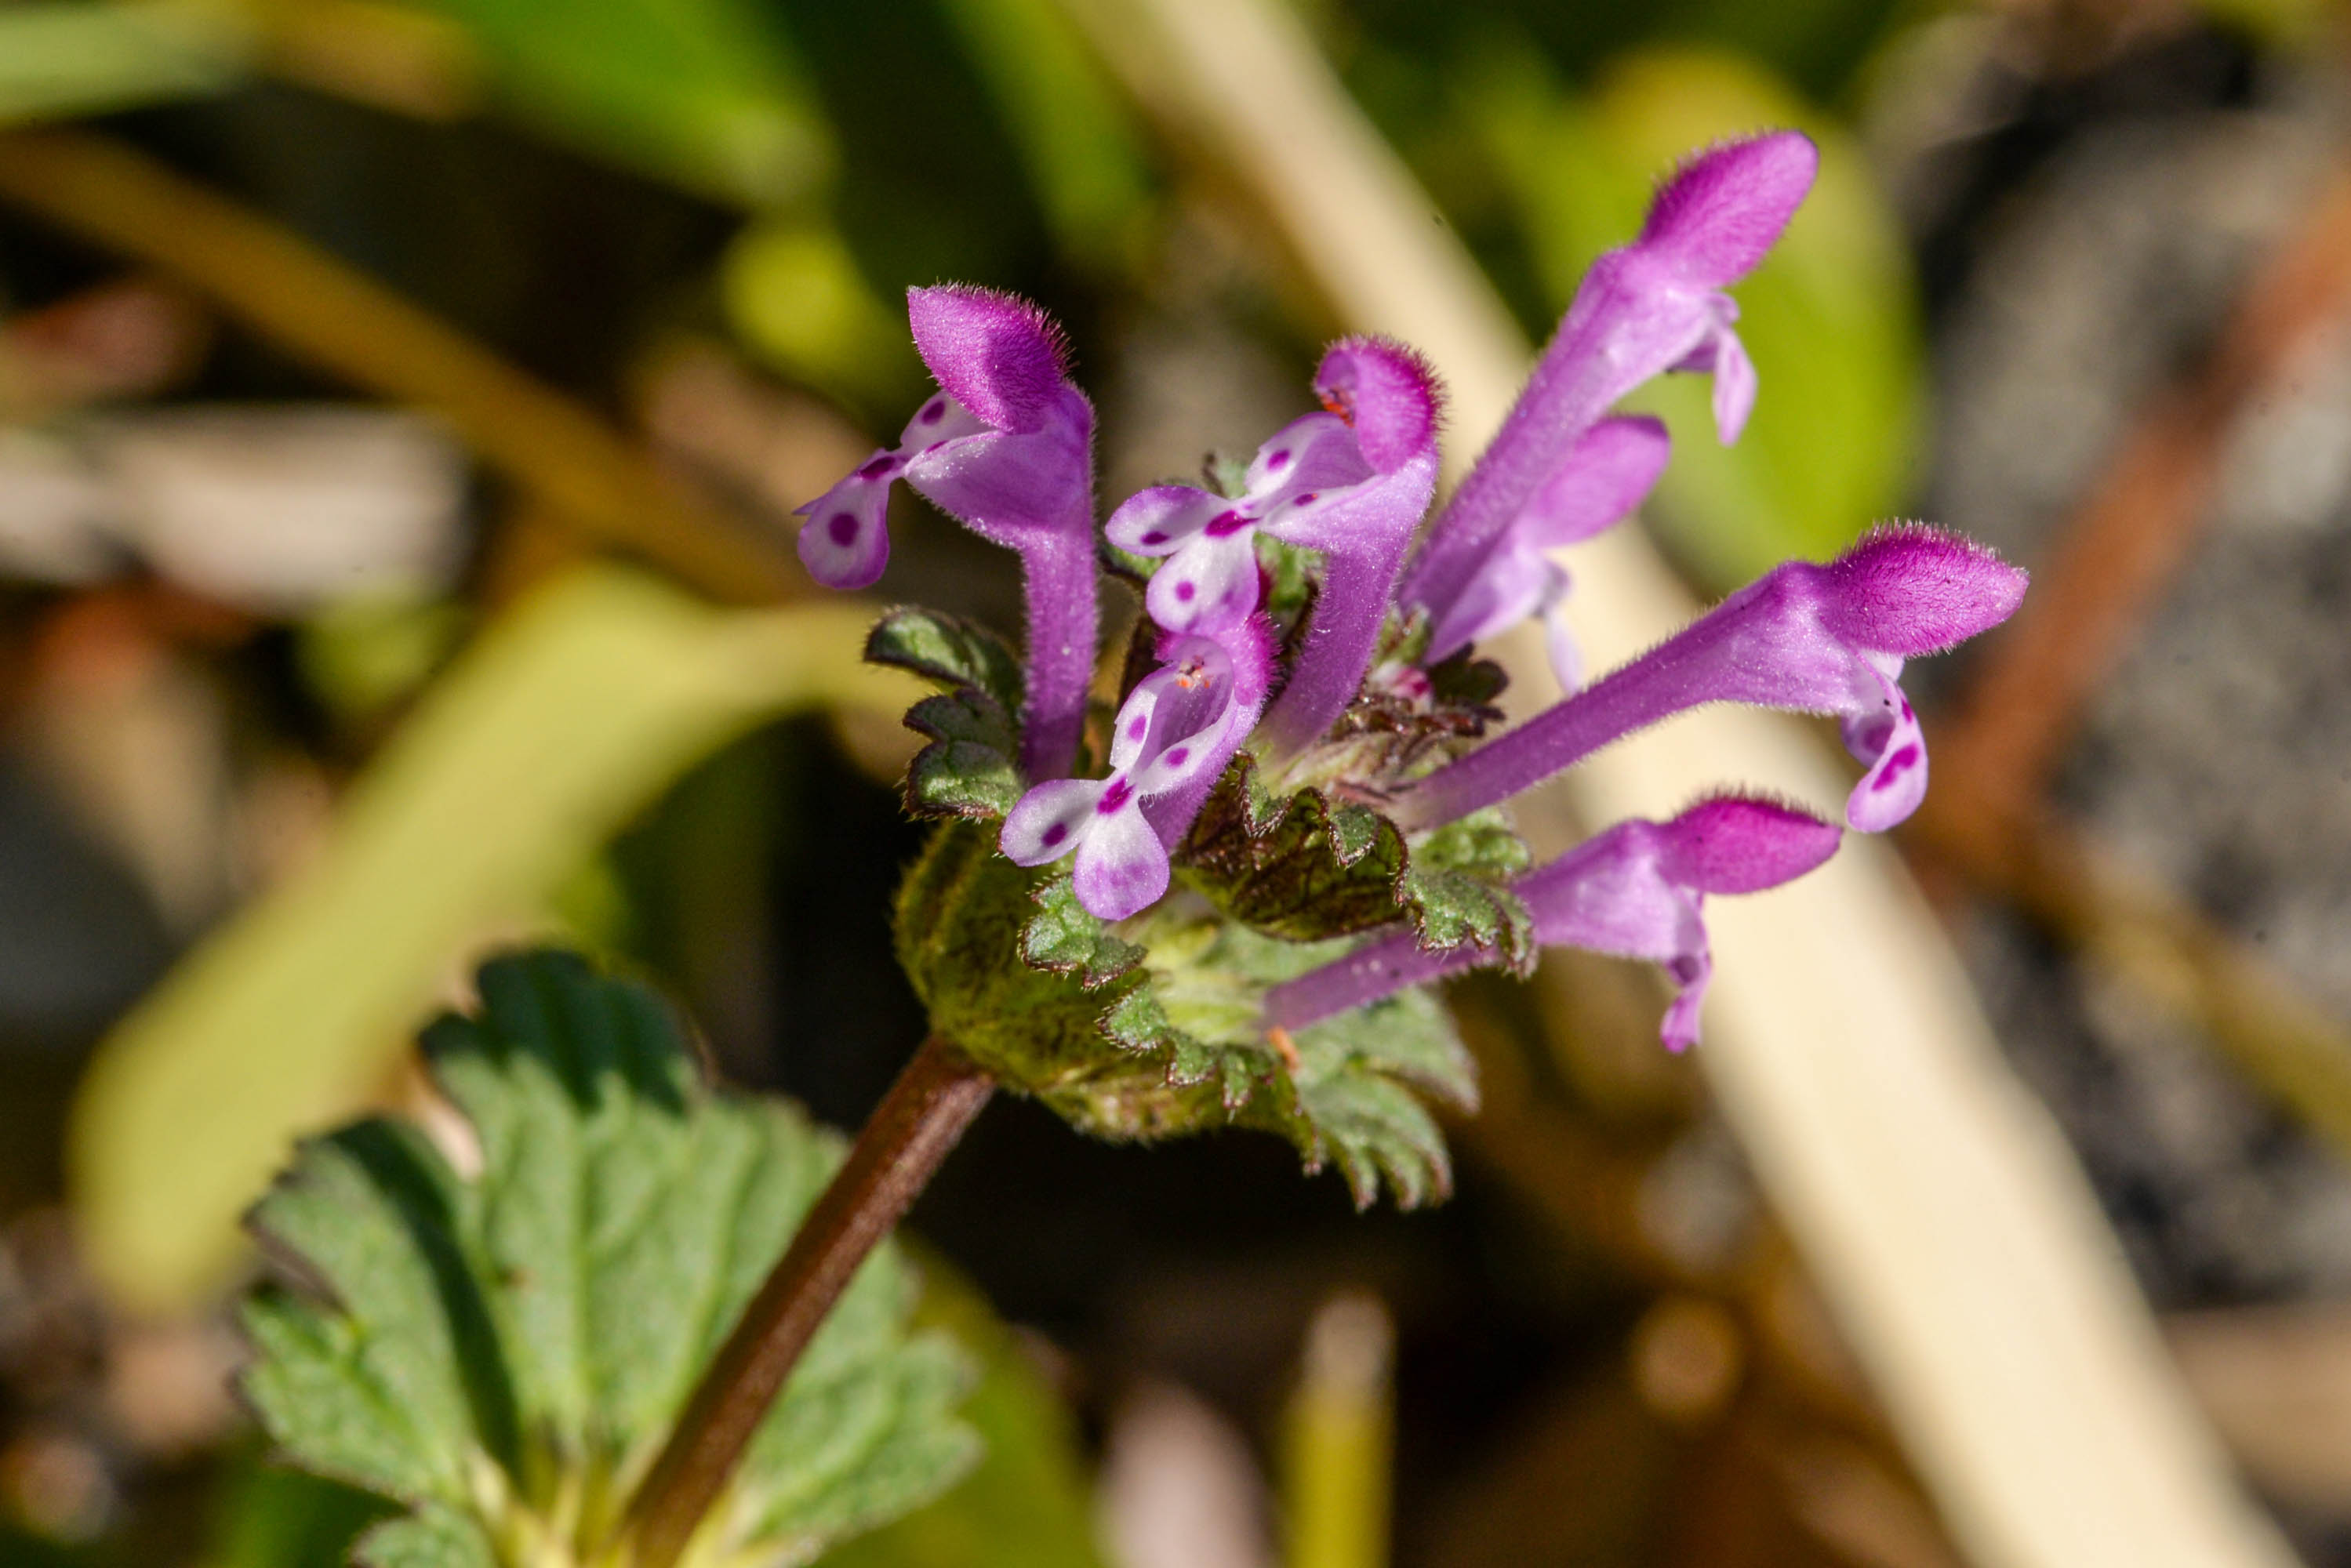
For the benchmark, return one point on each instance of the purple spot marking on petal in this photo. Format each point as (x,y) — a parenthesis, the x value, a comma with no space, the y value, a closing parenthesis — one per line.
(1278,461)
(1134,731)
(1224,525)
(1119,793)
(843,527)
(1153,538)
(934,411)
(875,469)
(1898,764)
(1306,500)
(1177,758)
(1056,833)
(1185,590)
(1907,714)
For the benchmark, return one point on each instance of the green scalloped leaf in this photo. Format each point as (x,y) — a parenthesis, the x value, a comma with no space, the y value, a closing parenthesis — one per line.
(948,648)
(1456,890)
(969,768)
(1303,869)
(1353,1095)
(1162,1035)
(1066,938)
(504,1352)
(1309,867)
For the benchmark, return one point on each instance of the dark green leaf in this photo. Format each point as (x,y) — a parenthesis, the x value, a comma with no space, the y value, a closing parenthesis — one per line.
(969,768)
(1066,939)
(1303,869)
(949,650)
(543,1321)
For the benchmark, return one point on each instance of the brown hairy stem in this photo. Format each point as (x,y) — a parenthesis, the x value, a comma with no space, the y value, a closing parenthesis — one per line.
(922,1116)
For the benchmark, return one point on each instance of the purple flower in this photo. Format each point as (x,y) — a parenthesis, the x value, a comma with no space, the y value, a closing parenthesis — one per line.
(1350,482)
(1006,448)
(1173,737)
(1608,474)
(1636,891)
(1656,305)
(1814,639)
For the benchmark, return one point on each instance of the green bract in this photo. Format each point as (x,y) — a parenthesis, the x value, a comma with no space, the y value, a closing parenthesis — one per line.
(1159,1036)
(1153,1030)
(503,1351)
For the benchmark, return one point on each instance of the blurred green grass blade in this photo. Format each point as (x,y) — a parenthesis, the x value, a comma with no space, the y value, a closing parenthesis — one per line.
(556,727)
(796,298)
(272,1517)
(60,58)
(703,93)
(1832,320)
(1027,1500)
(1074,135)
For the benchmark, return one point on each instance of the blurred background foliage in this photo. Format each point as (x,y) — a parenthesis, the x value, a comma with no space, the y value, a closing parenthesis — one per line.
(300,715)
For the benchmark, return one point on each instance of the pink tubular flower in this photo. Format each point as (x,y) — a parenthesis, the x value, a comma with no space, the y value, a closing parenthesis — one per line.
(1608,474)
(1006,448)
(1635,891)
(1814,639)
(1174,735)
(1350,482)
(1656,305)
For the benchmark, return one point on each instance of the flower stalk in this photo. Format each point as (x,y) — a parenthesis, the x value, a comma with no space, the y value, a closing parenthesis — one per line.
(925,1114)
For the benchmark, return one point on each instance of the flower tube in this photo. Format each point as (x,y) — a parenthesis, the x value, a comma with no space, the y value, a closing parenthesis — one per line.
(1813,639)
(1006,447)
(1636,891)
(1656,305)
(1350,482)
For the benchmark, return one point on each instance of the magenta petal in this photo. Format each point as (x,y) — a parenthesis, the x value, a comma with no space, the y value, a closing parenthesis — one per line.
(1007,486)
(1174,793)
(1161,519)
(1209,584)
(1911,590)
(1313,452)
(1121,866)
(1887,736)
(1639,312)
(1510,589)
(1724,209)
(1386,392)
(1049,820)
(1691,972)
(996,353)
(1608,474)
(1391,401)
(1605,475)
(1739,843)
(845,543)
(1565,653)
(1032,492)
(1734,386)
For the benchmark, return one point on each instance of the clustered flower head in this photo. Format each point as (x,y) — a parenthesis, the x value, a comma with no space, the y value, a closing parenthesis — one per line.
(1005,447)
